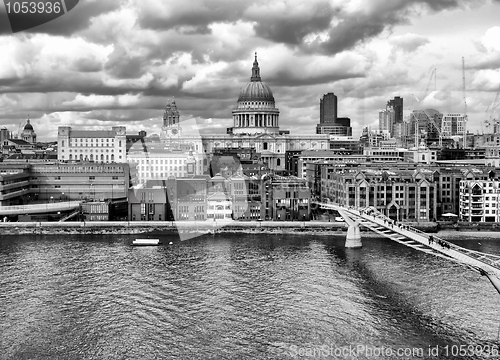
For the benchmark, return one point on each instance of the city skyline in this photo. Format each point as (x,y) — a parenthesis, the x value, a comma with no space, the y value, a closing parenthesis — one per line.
(117,64)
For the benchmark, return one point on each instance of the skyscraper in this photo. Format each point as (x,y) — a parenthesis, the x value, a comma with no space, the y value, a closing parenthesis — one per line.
(328,109)
(386,120)
(329,123)
(397,105)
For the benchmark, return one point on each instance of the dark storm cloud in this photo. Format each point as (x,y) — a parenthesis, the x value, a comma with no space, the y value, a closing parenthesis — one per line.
(190,17)
(290,78)
(357,27)
(291,27)
(67,82)
(122,65)
(73,21)
(350,32)
(87,64)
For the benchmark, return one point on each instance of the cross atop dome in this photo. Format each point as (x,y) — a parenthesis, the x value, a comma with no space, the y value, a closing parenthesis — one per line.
(255,70)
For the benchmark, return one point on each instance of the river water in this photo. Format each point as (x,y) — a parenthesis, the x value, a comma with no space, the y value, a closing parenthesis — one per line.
(240,297)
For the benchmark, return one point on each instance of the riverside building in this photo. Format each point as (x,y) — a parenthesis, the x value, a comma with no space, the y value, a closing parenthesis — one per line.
(480,200)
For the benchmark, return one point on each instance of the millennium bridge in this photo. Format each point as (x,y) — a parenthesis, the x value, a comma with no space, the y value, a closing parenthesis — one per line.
(486,264)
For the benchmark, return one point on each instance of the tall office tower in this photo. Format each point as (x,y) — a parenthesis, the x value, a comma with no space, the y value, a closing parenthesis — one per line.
(386,120)
(397,105)
(328,109)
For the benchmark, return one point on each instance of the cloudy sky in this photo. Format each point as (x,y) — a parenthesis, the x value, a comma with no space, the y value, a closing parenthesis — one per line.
(111,63)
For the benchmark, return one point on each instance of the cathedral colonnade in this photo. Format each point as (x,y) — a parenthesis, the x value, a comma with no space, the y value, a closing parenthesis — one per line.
(255,120)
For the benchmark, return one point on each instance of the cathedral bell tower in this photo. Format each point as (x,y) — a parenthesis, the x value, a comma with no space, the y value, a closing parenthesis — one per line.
(171,127)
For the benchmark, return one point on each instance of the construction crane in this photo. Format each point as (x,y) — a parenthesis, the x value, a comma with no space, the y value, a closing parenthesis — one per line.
(438,128)
(490,110)
(415,116)
(465,105)
(433,73)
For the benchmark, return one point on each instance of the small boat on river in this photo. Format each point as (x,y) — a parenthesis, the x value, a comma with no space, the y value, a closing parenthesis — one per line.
(146,242)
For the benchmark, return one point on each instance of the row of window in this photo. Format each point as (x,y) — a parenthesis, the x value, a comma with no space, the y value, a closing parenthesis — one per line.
(88,145)
(158,161)
(92,158)
(78,169)
(160,168)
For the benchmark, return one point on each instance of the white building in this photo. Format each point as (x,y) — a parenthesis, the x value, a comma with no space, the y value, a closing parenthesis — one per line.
(219,206)
(100,146)
(421,155)
(480,200)
(385,154)
(156,163)
(452,125)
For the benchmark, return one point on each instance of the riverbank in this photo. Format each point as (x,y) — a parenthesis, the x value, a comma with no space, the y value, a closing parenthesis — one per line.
(191,227)
(203,227)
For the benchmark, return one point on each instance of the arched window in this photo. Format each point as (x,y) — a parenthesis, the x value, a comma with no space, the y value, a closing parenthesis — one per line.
(278,162)
(264,146)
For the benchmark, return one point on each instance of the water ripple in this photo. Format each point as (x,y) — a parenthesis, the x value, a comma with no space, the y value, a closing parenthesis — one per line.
(227,297)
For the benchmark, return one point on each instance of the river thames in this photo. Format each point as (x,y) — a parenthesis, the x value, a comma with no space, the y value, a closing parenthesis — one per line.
(240,297)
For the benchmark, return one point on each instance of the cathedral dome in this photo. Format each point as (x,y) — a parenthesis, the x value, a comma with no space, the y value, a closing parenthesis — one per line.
(255,111)
(256,90)
(28,126)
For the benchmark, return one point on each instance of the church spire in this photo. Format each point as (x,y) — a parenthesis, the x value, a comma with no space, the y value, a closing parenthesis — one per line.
(255,70)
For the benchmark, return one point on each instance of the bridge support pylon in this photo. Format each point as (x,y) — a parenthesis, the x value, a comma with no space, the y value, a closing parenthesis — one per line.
(353,238)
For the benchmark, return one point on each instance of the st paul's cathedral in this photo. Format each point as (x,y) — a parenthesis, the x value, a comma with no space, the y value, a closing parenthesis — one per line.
(256,125)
